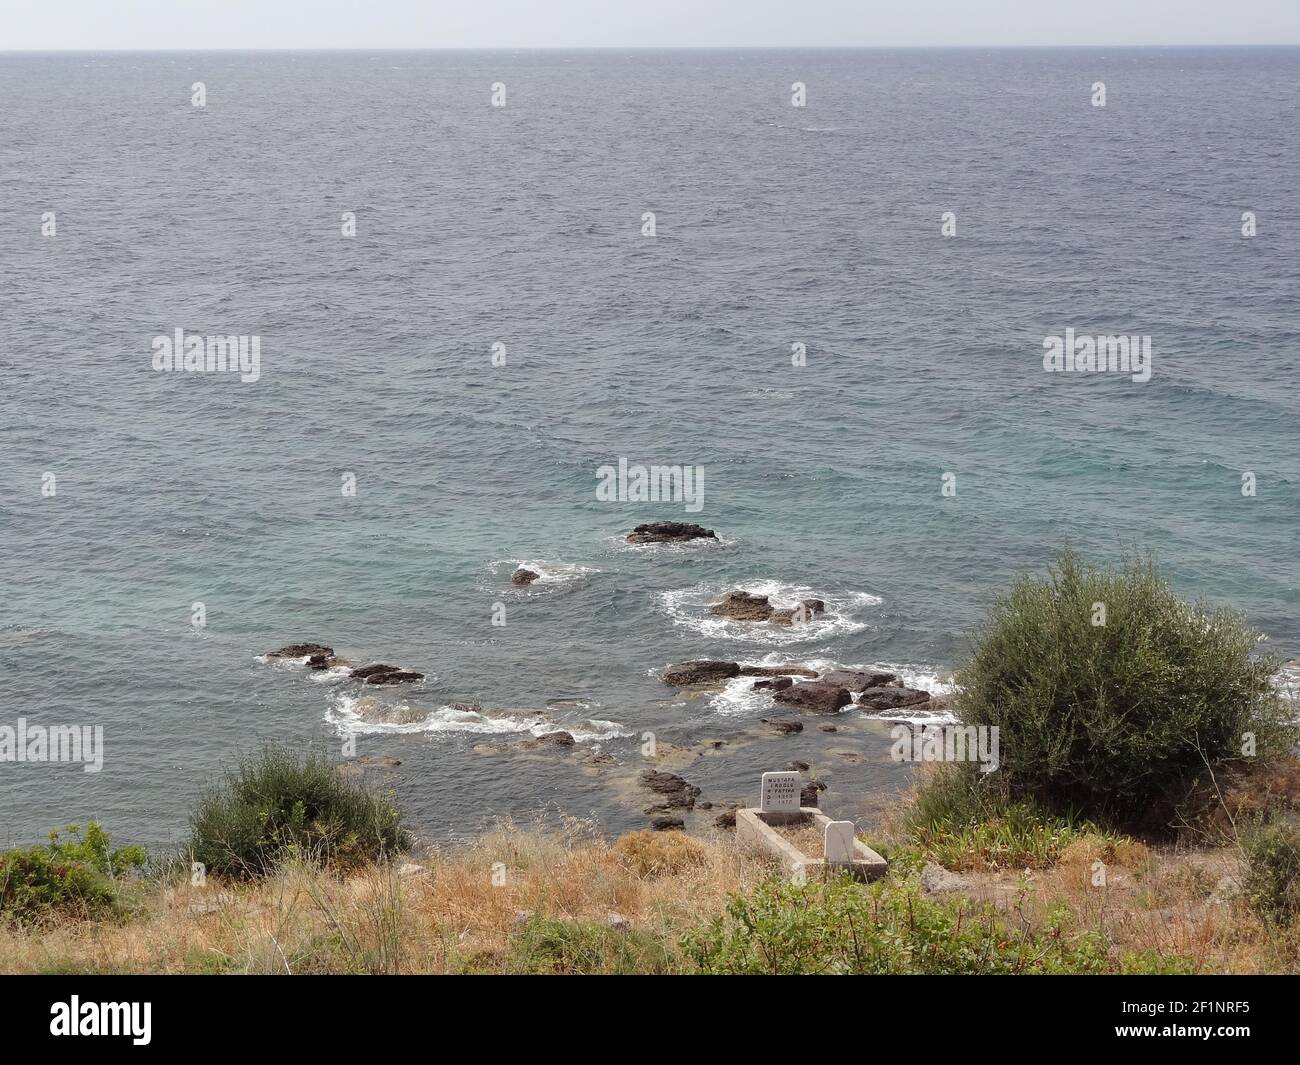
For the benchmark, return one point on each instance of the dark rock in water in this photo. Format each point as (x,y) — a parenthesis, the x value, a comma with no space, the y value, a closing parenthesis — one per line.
(814,606)
(742,606)
(778,671)
(701,671)
(796,766)
(675,790)
(725,820)
(318,662)
(776,684)
(669,532)
(362,672)
(816,695)
(784,727)
(857,680)
(302,650)
(828,728)
(394,676)
(808,794)
(667,824)
(523,576)
(890,698)
(380,673)
(555,739)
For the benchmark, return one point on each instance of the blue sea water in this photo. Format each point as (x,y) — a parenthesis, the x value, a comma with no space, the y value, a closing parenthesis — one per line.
(522,226)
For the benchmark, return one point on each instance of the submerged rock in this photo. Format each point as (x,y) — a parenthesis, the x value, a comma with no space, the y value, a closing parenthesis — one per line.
(783,727)
(701,671)
(776,684)
(817,696)
(669,532)
(676,792)
(523,576)
(553,739)
(891,698)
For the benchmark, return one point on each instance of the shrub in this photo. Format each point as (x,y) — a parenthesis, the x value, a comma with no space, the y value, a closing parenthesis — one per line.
(1272,884)
(1115,721)
(1016,836)
(548,946)
(840,927)
(72,874)
(279,805)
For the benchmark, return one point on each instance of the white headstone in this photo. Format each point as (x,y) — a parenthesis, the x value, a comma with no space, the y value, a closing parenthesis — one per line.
(838,846)
(780,792)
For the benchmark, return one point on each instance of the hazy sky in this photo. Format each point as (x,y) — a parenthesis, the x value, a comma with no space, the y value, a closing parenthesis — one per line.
(60,24)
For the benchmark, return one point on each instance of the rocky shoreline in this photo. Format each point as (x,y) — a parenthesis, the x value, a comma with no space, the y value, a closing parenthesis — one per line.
(666,797)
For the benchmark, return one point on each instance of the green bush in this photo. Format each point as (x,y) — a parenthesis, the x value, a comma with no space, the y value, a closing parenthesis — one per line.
(1272,884)
(841,927)
(547,946)
(70,875)
(279,805)
(1115,721)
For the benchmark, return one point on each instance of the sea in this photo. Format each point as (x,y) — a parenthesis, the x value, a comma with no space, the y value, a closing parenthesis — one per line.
(824,281)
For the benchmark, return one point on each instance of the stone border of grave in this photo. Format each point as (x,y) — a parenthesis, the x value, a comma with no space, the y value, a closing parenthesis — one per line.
(756,828)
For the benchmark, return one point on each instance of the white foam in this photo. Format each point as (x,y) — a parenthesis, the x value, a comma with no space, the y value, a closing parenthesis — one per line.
(689,608)
(547,572)
(355,715)
(739,698)
(674,547)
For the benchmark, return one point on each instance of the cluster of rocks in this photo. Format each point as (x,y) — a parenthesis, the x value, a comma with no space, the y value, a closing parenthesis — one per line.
(746,606)
(321,657)
(821,693)
(669,532)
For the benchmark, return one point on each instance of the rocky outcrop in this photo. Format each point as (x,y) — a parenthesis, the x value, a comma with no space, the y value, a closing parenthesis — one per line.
(700,671)
(676,793)
(669,532)
(891,698)
(552,739)
(742,606)
(778,671)
(857,680)
(667,824)
(746,606)
(523,576)
(302,650)
(808,794)
(381,673)
(776,684)
(817,696)
(783,727)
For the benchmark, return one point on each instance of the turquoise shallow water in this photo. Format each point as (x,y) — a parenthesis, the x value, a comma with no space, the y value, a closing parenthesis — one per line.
(522,226)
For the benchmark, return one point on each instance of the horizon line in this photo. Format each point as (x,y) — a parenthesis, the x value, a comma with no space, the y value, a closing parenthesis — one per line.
(649,48)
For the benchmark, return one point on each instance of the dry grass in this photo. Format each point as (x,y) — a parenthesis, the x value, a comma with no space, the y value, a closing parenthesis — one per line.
(457,911)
